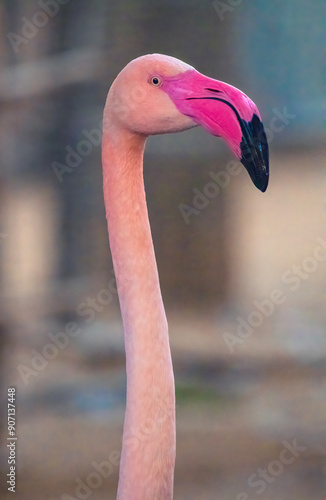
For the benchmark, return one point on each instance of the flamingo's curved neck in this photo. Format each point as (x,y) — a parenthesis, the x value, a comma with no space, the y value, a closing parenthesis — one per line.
(148,448)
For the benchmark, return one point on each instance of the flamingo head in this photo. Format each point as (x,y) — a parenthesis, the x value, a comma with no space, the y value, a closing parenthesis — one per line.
(157,94)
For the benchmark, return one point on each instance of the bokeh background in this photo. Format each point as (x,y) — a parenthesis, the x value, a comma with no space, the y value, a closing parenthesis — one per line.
(242,274)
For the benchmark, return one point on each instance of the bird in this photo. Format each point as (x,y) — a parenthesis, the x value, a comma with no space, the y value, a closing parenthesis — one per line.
(158,94)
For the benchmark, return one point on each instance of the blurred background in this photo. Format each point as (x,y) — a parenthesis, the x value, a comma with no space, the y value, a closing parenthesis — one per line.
(242,273)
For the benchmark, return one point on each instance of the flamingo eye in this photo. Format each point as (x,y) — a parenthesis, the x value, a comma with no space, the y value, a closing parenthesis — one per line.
(156,81)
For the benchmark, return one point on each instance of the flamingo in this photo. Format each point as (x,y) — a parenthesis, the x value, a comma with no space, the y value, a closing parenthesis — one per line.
(158,94)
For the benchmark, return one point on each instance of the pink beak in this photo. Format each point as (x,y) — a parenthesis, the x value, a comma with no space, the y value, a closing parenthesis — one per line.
(224,111)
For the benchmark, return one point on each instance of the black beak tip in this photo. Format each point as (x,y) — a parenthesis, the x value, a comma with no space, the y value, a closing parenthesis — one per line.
(262,184)
(258,171)
(261,181)
(254,152)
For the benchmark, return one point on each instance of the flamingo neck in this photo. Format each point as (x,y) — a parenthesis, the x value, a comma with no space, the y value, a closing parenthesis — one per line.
(148,448)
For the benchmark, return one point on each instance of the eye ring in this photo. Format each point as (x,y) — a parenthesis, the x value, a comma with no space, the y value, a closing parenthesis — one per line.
(156,81)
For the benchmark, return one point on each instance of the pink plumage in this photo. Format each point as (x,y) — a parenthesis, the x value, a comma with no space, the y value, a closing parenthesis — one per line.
(158,94)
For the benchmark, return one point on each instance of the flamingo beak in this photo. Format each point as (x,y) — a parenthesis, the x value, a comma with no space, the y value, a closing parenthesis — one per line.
(224,111)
